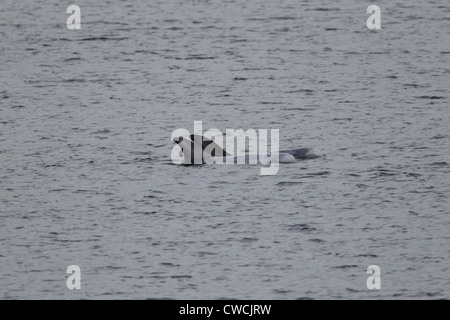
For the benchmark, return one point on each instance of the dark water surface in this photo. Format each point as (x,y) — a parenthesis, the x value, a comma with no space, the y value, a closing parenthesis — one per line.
(85,123)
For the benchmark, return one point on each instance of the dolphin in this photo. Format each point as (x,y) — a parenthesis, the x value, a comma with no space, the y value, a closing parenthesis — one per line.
(193,148)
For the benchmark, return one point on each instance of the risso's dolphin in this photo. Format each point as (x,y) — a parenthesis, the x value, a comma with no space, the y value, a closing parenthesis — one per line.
(198,149)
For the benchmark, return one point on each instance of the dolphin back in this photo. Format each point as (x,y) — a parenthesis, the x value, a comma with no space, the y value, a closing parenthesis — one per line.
(304,153)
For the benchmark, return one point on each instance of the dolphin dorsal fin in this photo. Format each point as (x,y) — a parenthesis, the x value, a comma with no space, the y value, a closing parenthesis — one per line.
(218,151)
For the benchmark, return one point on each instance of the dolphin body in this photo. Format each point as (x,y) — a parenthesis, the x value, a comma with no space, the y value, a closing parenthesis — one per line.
(193,153)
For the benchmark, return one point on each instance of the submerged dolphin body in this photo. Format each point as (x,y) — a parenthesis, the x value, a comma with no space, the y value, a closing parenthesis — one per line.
(304,153)
(193,152)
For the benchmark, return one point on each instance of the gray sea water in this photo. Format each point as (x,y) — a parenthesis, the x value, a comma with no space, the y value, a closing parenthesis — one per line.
(86,178)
